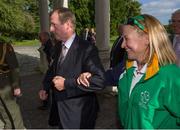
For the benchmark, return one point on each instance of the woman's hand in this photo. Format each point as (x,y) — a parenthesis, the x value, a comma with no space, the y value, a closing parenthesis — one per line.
(84,79)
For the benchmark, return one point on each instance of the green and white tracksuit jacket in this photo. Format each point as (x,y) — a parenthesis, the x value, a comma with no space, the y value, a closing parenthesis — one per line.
(154,101)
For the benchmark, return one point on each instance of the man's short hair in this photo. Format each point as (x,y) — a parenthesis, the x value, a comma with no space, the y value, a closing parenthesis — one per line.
(65,14)
(176,12)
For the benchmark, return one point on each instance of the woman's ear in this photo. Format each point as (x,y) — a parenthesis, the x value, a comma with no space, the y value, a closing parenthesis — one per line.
(146,37)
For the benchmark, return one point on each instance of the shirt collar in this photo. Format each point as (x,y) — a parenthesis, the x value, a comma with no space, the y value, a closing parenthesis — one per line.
(142,71)
(177,35)
(69,42)
(152,67)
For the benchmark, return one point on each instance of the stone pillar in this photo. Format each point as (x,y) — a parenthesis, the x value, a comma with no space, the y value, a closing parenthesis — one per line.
(102,19)
(60,3)
(44,27)
(65,3)
(44,16)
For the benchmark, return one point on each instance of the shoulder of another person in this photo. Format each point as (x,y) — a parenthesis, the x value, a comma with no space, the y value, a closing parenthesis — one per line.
(83,43)
(171,37)
(49,42)
(9,48)
(87,45)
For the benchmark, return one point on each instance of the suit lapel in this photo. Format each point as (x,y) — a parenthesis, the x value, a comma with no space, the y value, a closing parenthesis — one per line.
(71,54)
(56,55)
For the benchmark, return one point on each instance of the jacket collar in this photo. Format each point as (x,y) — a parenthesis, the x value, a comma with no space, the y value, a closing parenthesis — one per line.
(69,42)
(151,70)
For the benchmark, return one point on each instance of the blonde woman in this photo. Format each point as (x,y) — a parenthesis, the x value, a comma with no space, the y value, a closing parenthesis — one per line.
(149,88)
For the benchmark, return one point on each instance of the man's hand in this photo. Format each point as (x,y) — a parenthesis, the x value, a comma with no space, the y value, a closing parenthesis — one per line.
(59,82)
(43,95)
(17,92)
(84,79)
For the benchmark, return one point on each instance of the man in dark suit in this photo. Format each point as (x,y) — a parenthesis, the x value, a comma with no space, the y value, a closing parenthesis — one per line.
(175,19)
(45,51)
(77,105)
(44,38)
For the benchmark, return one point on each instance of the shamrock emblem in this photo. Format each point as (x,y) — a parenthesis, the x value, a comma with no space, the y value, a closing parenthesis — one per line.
(145,97)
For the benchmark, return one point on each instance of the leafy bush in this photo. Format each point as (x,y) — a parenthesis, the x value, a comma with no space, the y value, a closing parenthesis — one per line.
(4,39)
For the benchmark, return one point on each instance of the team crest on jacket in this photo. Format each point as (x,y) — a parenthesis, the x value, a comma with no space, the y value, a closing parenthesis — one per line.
(144,99)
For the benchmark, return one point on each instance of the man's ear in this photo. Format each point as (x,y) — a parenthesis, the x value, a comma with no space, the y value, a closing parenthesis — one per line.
(69,23)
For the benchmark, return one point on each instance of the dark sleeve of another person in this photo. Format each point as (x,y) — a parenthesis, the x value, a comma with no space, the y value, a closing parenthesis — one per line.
(12,62)
(112,75)
(94,66)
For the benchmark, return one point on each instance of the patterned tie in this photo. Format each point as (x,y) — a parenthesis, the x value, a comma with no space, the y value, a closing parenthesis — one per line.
(63,54)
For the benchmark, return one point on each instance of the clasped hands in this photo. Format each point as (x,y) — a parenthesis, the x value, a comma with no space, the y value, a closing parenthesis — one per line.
(82,79)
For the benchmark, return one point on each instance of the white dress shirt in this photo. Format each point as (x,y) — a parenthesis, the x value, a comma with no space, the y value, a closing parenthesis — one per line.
(176,46)
(137,75)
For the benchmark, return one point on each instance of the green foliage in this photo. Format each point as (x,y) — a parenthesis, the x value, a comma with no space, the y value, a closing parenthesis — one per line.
(168,29)
(27,43)
(112,40)
(32,8)
(120,10)
(14,18)
(20,18)
(4,39)
(85,13)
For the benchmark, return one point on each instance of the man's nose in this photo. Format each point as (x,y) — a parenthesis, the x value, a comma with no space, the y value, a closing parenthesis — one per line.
(51,29)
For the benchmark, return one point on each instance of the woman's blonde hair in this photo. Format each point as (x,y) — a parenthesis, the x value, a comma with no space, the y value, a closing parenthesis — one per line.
(159,42)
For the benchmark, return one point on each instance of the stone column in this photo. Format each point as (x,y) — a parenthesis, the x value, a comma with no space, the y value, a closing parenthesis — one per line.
(65,3)
(44,27)
(44,16)
(102,19)
(60,3)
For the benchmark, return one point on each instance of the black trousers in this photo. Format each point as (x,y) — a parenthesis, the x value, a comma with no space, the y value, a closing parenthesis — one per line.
(76,113)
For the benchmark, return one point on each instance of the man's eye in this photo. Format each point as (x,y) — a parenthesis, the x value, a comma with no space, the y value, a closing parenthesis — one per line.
(52,24)
(175,21)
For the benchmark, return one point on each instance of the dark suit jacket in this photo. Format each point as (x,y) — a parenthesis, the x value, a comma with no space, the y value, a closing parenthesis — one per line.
(48,50)
(112,75)
(82,57)
(117,54)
